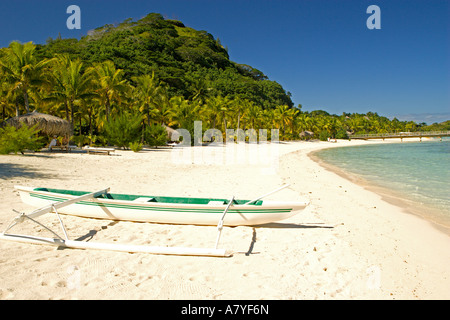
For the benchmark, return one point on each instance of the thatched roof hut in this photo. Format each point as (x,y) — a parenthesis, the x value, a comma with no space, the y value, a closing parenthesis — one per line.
(46,123)
(306,134)
(171,133)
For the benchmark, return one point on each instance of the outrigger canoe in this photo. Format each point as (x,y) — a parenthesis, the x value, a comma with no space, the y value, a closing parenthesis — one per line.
(172,210)
(157,209)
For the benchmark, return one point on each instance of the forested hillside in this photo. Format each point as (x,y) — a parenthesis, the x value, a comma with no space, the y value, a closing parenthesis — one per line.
(192,63)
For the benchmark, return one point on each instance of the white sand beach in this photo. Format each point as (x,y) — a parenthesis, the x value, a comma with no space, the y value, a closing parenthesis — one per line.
(349,243)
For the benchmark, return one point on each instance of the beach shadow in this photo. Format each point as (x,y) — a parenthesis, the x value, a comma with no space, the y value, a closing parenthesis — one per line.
(162,149)
(13,170)
(90,235)
(38,154)
(294,225)
(252,243)
(282,225)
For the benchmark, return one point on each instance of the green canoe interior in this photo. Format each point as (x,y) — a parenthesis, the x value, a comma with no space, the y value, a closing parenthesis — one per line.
(129,197)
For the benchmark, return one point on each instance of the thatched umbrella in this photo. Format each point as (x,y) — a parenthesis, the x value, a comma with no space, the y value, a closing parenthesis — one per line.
(171,133)
(46,123)
(306,134)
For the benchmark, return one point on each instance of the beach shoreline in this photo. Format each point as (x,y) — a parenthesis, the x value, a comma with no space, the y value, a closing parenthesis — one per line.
(349,243)
(430,214)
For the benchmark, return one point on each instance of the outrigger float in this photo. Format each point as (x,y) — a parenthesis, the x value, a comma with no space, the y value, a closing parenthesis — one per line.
(155,209)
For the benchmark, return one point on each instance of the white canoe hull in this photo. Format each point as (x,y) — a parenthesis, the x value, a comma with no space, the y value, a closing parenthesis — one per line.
(170,213)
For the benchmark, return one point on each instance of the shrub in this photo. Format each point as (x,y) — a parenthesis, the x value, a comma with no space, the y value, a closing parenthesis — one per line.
(342,134)
(19,140)
(123,129)
(136,146)
(324,135)
(99,141)
(155,135)
(80,140)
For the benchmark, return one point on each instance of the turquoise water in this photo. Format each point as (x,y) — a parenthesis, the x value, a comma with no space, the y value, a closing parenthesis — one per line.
(418,171)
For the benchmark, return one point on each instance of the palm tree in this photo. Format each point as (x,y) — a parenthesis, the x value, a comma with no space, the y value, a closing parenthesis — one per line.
(396,125)
(70,84)
(22,70)
(268,116)
(225,103)
(186,112)
(254,113)
(292,116)
(176,103)
(165,109)
(199,89)
(110,83)
(59,79)
(88,108)
(239,107)
(147,92)
(331,125)
(283,115)
(355,123)
(8,99)
(216,108)
(305,122)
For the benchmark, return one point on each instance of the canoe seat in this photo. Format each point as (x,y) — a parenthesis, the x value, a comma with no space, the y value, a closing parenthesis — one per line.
(216,203)
(145,199)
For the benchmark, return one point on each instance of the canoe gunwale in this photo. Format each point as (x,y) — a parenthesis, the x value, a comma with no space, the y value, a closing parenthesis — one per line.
(174,200)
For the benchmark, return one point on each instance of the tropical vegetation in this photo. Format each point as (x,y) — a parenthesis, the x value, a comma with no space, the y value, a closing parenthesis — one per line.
(122,84)
(19,139)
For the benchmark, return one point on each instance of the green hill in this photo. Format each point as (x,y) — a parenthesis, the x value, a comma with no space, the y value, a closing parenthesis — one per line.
(190,61)
(443,126)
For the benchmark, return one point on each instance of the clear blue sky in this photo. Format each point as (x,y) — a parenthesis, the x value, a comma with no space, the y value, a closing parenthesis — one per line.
(319,50)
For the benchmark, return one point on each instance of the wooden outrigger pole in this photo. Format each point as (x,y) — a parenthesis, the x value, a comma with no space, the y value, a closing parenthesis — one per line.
(267,194)
(74,244)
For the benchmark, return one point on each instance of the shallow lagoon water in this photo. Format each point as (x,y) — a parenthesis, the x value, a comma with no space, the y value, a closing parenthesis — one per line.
(418,171)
